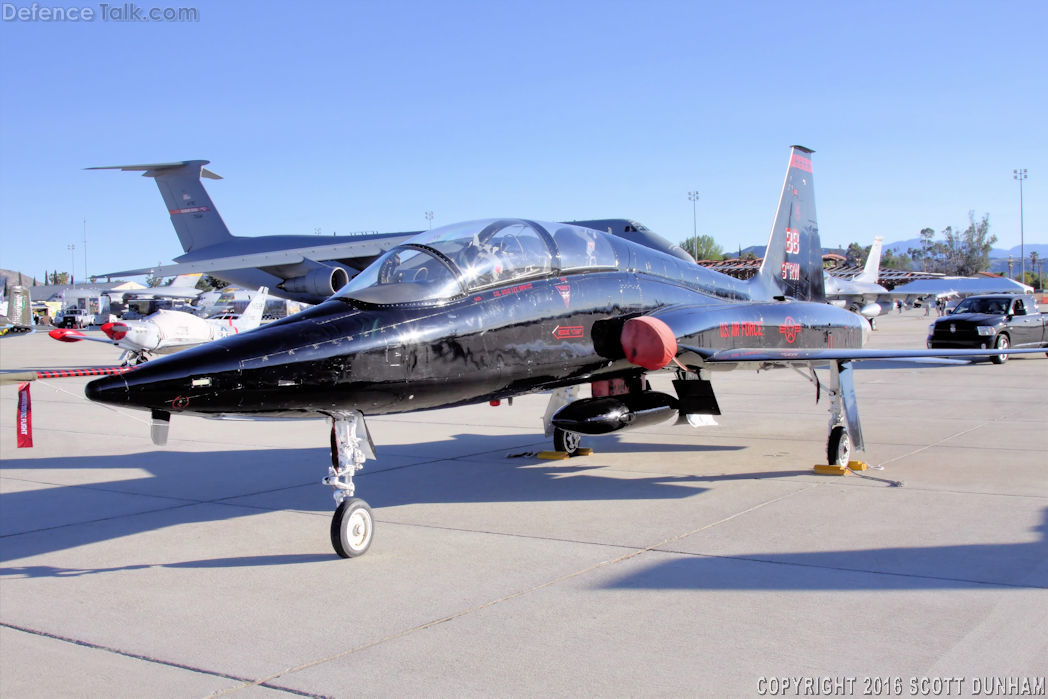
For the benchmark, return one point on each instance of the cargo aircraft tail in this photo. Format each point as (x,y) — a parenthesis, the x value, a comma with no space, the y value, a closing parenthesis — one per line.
(192,212)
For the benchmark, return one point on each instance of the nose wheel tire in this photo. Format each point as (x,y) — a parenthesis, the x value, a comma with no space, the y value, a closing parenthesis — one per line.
(838,448)
(352,528)
(566,441)
(1001,343)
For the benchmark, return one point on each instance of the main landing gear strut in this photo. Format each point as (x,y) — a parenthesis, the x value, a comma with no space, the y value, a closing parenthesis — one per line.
(845,430)
(352,527)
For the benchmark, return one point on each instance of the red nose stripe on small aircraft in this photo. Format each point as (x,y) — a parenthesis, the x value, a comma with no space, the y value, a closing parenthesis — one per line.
(66,335)
(648,342)
(70,373)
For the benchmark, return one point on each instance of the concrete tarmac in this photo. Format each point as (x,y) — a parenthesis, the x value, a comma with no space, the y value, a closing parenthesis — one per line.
(673,561)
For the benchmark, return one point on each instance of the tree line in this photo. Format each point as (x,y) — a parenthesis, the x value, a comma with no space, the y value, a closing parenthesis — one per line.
(960,252)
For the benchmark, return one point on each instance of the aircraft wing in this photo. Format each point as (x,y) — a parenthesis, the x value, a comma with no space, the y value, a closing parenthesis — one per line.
(366,247)
(686,322)
(69,335)
(789,356)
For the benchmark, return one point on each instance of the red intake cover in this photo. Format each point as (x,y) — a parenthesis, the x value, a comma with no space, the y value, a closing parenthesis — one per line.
(648,342)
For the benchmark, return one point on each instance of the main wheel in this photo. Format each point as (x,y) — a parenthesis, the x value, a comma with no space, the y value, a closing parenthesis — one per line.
(1001,343)
(566,441)
(352,528)
(838,448)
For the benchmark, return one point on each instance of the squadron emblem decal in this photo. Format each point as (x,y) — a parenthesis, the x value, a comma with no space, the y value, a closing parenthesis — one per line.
(790,329)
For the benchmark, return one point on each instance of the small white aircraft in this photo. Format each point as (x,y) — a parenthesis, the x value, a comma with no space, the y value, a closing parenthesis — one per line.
(860,294)
(168,331)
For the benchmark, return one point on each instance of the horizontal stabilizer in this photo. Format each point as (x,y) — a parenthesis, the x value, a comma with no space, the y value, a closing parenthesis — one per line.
(156,168)
(193,214)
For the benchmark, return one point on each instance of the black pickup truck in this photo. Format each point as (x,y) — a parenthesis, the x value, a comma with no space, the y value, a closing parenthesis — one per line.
(994,320)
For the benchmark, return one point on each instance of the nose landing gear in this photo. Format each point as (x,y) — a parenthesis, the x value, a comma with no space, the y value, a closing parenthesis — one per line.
(352,527)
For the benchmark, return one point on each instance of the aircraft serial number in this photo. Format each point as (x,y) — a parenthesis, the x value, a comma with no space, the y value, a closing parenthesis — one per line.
(791,270)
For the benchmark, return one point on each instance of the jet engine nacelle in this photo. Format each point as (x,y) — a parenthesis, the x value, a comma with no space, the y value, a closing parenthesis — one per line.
(612,413)
(870,310)
(322,281)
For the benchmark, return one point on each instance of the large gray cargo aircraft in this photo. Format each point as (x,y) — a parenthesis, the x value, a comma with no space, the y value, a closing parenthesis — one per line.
(295,267)
(292,266)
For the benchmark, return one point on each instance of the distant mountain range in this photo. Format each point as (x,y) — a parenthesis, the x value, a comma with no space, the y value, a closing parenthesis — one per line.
(902,246)
(17,277)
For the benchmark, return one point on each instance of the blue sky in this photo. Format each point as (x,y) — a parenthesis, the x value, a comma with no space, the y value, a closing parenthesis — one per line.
(362,115)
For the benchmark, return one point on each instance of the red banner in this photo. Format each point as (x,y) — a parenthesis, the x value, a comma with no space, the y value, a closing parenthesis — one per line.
(24,420)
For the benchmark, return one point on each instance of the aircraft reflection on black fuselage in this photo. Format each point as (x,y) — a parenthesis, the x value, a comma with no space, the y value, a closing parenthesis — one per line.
(491,309)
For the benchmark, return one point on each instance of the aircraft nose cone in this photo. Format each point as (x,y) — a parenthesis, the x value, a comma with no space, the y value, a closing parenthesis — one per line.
(109,389)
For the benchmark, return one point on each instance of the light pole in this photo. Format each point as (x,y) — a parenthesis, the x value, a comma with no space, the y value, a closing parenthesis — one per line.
(693,197)
(72,252)
(1020,175)
(429,219)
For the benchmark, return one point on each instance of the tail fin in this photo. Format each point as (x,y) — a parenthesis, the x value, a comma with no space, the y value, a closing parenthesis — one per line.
(193,214)
(873,263)
(793,261)
(186,281)
(251,318)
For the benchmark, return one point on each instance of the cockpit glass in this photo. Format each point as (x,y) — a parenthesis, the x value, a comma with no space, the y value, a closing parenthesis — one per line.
(460,258)
(491,252)
(583,248)
(403,275)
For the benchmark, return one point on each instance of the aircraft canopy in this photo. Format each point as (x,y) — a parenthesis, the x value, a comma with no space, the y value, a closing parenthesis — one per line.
(460,258)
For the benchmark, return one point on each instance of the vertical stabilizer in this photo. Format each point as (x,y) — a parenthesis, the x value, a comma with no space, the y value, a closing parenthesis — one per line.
(872,271)
(251,318)
(186,281)
(192,212)
(793,261)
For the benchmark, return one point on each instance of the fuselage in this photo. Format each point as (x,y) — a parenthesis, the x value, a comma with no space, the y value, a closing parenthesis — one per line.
(516,327)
